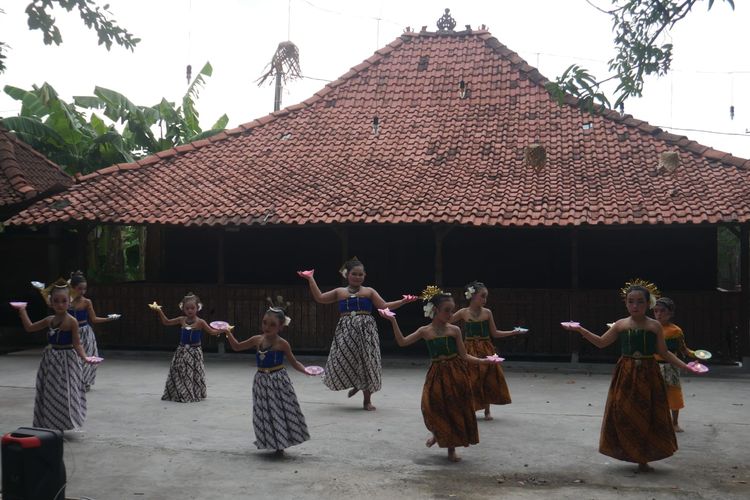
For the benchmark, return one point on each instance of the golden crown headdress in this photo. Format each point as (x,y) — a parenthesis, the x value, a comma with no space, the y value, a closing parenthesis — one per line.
(653,290)
(429,292)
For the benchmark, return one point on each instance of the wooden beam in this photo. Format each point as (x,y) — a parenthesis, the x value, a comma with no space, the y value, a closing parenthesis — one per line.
(154,252)
(575,340)
(220,263)
(53,252)
(440,233)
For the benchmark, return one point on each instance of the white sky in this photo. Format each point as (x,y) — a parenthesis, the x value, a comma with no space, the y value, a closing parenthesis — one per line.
(239,37)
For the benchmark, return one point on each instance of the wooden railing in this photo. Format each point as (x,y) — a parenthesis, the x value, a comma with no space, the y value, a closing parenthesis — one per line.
(709,318)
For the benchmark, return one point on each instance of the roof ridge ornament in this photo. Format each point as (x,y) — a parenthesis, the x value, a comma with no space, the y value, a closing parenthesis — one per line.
(446,22)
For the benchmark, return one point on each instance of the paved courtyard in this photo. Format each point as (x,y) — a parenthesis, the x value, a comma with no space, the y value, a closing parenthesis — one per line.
(544,445)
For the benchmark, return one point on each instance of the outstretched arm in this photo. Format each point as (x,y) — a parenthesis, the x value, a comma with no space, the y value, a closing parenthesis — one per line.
(661,347)
(93,318)
(400,339)
(379,303)
(168,321)
(253,341)
(328,297)
(33,327)
(498,334)
(462,349)
(599,341)
(203,325)
(292,360)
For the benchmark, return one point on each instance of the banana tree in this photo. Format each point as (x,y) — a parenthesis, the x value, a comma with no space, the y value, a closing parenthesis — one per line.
(77,138)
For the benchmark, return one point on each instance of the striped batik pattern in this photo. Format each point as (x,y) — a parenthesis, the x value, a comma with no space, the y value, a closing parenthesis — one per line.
(60,401)
(354,359)
(88,341)
(186,382)
(277,418)
(637,426)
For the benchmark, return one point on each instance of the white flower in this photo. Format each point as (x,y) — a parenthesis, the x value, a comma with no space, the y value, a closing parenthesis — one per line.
(470,292)
(287,320)
(429,310)
(343,272)
(652,301)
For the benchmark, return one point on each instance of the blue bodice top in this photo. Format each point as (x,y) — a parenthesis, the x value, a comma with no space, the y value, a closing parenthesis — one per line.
(82,315)
(190,335)
(353,304)
(55,336)
(269,359)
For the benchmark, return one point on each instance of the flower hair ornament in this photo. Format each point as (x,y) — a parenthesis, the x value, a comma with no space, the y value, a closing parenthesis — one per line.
(279,306)
(190,296)
(652,290)
(427,295)
(343,271)
(46,291)
(469,293)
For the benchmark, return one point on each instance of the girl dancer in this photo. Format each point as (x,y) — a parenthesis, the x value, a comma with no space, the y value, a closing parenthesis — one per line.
(60,401)
(487,381)
(446,397)
(186,382)
(277,418)
(636,426)
(83,310)
(675,340)
(354,360)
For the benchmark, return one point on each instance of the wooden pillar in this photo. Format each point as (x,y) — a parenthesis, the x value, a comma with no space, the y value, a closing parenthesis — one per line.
(440,233)
(154,252)
(343,234)
(53,252)
(82,248)
(221,279)
(575,340)
(744,330)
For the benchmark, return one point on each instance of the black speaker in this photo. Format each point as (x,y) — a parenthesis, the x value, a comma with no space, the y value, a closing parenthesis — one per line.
(33,467)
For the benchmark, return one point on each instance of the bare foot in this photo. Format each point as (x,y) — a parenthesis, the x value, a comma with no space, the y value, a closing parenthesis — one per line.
(487,416)
(431,441)
(368,406)
(452,456)
(278,453)
(352,392)
(645,468)
(677,428)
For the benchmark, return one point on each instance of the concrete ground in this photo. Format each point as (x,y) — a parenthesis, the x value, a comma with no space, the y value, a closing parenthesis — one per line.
(542,445)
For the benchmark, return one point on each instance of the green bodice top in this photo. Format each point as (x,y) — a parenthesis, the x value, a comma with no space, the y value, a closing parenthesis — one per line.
(442,346)
(637,342)
(478,329)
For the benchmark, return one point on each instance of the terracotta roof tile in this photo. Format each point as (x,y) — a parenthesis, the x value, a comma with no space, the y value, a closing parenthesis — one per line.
(435,156)
(25,173)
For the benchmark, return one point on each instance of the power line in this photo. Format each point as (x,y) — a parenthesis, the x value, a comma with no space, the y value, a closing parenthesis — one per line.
(746,134)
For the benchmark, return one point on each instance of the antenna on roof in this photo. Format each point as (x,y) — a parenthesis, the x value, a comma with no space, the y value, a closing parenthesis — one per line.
(284,64)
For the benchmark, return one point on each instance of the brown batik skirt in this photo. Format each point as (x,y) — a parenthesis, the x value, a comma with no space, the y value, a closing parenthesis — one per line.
(447,404)
(487,381)
(637,426)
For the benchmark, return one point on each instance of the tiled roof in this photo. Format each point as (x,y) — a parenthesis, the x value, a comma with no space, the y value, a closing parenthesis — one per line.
(25,173)
(435,157)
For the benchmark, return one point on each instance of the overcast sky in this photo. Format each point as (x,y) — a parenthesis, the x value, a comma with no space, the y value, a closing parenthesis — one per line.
(239,37)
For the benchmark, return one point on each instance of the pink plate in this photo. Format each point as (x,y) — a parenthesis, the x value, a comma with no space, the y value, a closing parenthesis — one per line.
(219,325)
(570,324)
(699,368)
(18,305)
(314,370)
(387,312)
(409,297)
(94,359)
(495,358)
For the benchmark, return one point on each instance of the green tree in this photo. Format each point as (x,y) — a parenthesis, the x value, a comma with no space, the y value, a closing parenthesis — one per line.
(638,26)
(75,137)
(39,16)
